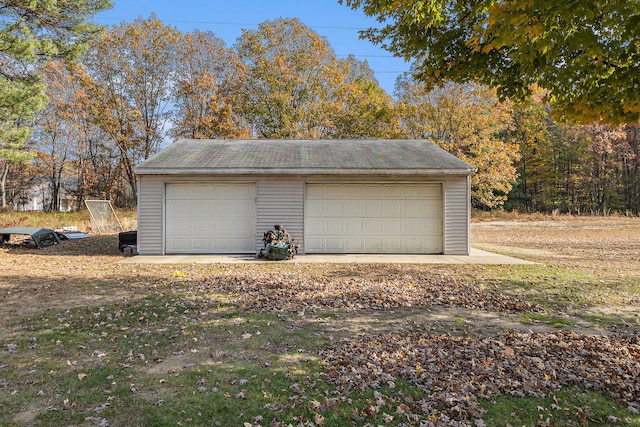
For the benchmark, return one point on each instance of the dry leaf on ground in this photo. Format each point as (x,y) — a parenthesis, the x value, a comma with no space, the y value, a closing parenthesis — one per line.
(457,371)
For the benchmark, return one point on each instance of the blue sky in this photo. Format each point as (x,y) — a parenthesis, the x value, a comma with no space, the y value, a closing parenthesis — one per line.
(338,23)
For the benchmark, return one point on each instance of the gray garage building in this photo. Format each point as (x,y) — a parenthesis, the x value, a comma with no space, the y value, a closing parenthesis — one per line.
(333,196)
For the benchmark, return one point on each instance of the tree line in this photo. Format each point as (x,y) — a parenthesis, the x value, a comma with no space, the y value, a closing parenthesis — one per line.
(142,84)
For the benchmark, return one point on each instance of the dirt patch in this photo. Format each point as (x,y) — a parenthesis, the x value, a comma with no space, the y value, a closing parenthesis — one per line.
(26,417)
(519,251)
(434,319)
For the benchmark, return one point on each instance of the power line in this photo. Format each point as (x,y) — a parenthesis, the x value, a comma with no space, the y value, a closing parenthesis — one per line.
(255,25)
(365,56)
(237,24)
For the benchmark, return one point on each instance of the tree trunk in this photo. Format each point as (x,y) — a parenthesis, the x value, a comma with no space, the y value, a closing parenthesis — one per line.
(3,184)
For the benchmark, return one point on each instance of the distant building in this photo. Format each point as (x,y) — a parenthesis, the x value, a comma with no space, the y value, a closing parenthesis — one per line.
(37,196)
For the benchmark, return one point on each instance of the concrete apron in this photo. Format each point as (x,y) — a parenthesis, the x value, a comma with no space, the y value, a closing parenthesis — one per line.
(477,256)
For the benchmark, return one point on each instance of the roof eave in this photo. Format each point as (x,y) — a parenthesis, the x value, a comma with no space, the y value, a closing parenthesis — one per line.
(294,171)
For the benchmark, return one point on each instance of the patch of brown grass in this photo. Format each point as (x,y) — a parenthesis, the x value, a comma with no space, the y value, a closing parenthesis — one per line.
(584,242)
(88,272)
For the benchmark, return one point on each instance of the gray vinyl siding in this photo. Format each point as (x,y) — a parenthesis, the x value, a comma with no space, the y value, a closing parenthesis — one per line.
(281,201)
(456,216)
(150,215)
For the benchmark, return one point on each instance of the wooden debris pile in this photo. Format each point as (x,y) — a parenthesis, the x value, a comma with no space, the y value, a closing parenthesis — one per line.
(278,245)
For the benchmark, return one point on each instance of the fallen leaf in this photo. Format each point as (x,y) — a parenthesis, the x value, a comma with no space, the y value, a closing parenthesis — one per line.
(453,368)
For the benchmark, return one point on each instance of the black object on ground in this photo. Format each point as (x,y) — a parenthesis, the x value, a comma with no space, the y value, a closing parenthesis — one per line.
(127,238)
(38,237)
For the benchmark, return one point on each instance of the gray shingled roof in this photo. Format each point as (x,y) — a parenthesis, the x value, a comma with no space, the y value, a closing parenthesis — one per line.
(307,157)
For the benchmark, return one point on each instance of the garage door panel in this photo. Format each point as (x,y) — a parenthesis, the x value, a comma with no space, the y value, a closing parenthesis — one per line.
(373,218)
(393,227)
(241,191)
(314,243)
(315,192)
(222,226)
(435,229)
(354,191)
(421,227)
(180,243)
(178,227)
(414,192)
(191,192)
(334,245)
(373,226)
(353,245)
(373,191)
(372,245)
(334,191)
(353,209)
(414,245)
(225,192)
(314,206)
(333,226)
(353,226)
(201,226)
(210,218)
(172,192)
(373,209)
(248,242)
(238,227)
(201,244)
(237,206)
(433,209)
(180,210)
(432,192)
(393,246)
(222,245)
(392,208)
(415,208)
(199,208)
(336,210)
(314,227)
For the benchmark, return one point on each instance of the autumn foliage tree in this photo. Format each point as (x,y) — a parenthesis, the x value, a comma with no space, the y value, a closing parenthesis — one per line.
(56,130)
(585,54)
(129,76)
(71,148)
(530,130)
(362,109)
(292,74)
(469,122)
(630,170)
(297,88)
(208,84)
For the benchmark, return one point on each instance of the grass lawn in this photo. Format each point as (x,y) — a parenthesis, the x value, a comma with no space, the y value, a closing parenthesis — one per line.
(88,341)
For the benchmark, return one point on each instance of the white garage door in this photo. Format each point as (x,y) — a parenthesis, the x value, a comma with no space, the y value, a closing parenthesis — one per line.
(210,218)
(373,218)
